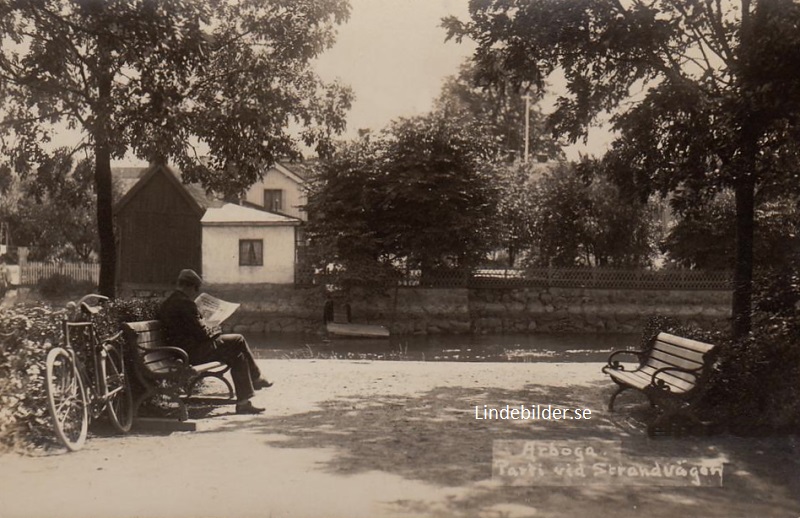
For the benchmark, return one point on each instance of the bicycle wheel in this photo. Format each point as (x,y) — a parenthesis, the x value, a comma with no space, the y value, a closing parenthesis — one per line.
(66,399)
(116,389)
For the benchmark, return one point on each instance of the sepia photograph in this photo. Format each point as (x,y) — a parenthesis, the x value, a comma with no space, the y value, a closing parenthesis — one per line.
(399,258)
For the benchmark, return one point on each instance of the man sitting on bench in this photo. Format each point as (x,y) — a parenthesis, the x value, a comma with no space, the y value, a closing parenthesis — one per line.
(184,328)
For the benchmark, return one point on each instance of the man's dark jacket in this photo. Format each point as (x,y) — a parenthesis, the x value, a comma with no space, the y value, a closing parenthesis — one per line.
(184,327)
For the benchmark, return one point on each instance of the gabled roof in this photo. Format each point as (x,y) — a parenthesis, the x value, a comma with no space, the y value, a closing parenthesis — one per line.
(194,194)
(126,177)
(302,170)
(231,214)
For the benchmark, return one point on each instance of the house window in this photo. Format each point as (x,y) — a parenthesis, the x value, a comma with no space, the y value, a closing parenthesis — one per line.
(251,252)
(273,200)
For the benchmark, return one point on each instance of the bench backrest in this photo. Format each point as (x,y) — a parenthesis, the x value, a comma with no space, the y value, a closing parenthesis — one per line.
(143,338)
(674,351)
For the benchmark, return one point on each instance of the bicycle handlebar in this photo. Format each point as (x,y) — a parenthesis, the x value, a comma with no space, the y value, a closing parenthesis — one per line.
(91,302)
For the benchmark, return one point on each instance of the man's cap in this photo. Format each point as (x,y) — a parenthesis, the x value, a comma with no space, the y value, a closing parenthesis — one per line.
(190,277)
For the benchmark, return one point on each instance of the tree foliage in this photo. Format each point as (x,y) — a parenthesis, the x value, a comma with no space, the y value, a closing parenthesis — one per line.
(580,217)
(499,111)
(516,208)
(167,80)
(704,236)
(419,194)
(55,209)
(706,95)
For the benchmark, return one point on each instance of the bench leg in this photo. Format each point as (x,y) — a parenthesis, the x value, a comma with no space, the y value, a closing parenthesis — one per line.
(152,390)
(620,389)
(149,391)
(220,375)
(674,418)
(174,394)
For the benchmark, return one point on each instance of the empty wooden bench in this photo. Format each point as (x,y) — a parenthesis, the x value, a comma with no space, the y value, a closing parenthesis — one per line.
(672,372)
(165,370)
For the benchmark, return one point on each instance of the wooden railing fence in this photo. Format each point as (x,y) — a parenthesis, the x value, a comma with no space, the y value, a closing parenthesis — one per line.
(32,272)
(505,278)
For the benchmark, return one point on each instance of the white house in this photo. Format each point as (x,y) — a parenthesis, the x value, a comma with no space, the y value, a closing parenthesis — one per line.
(247,245)
(281,189)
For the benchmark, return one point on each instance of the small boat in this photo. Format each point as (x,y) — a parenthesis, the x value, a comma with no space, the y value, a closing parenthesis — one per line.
(349,330)
(338,324)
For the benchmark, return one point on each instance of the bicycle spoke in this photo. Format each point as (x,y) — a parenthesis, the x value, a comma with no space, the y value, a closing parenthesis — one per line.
(68,402)
(66,398)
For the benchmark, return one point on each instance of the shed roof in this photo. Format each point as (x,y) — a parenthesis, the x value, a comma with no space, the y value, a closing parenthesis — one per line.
(194,193)
(231,214)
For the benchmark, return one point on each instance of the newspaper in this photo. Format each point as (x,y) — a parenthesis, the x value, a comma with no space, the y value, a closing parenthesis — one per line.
(213,310)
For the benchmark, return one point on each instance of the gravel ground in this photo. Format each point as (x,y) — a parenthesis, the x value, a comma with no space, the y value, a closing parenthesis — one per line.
(395,439)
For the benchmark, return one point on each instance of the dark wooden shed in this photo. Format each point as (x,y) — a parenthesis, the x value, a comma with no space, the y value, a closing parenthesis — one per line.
(158,229)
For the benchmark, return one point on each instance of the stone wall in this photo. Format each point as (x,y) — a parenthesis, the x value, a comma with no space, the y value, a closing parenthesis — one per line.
(272,308)
(593,310)
(286,308)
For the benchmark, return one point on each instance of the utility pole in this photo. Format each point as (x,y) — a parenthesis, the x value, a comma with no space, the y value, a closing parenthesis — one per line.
(527,126)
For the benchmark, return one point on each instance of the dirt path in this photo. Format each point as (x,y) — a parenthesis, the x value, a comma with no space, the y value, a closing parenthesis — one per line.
(390,439)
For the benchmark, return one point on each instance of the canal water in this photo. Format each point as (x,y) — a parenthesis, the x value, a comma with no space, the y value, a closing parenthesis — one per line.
(542,347)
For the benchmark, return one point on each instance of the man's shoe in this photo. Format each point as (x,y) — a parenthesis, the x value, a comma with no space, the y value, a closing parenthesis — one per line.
(261,383)
(248,408)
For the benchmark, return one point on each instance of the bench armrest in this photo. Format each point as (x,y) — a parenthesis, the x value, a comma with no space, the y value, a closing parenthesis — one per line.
(658,383)
(113,338)
(177,351)
(615,365)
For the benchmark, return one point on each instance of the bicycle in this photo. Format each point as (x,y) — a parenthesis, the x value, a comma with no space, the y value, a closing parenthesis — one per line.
(80,388)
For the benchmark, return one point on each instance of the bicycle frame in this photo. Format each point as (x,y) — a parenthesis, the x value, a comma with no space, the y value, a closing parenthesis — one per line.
(90,383)
(97,350)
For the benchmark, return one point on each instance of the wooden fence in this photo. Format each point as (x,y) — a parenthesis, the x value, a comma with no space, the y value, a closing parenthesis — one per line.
(31,273)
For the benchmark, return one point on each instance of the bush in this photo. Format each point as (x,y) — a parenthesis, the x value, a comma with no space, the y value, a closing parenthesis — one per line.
(755,388)
(59,285)
(24,335)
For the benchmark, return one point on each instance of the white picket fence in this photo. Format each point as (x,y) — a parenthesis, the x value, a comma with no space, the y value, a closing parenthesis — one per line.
(31,273)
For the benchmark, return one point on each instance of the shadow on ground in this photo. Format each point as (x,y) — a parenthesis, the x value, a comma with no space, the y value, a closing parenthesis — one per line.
(435,438)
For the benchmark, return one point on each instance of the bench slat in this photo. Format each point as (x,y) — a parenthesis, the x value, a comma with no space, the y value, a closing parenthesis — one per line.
(156,335)
(155,356)
(680,352)
(641,380)
(163,366)
(151,345)
(146,325)
(205,367)
(635,379)
(673,361)
(686,343)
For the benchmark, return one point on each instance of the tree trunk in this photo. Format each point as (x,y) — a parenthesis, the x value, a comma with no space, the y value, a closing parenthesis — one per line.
(102,172)
(743,271)
(105,221)
(512,255)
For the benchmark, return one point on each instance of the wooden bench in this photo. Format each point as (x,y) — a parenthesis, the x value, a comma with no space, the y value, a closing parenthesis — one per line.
(672,373)
(164,370)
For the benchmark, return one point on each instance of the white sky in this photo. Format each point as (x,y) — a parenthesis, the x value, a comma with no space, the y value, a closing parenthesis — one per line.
(394,56)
